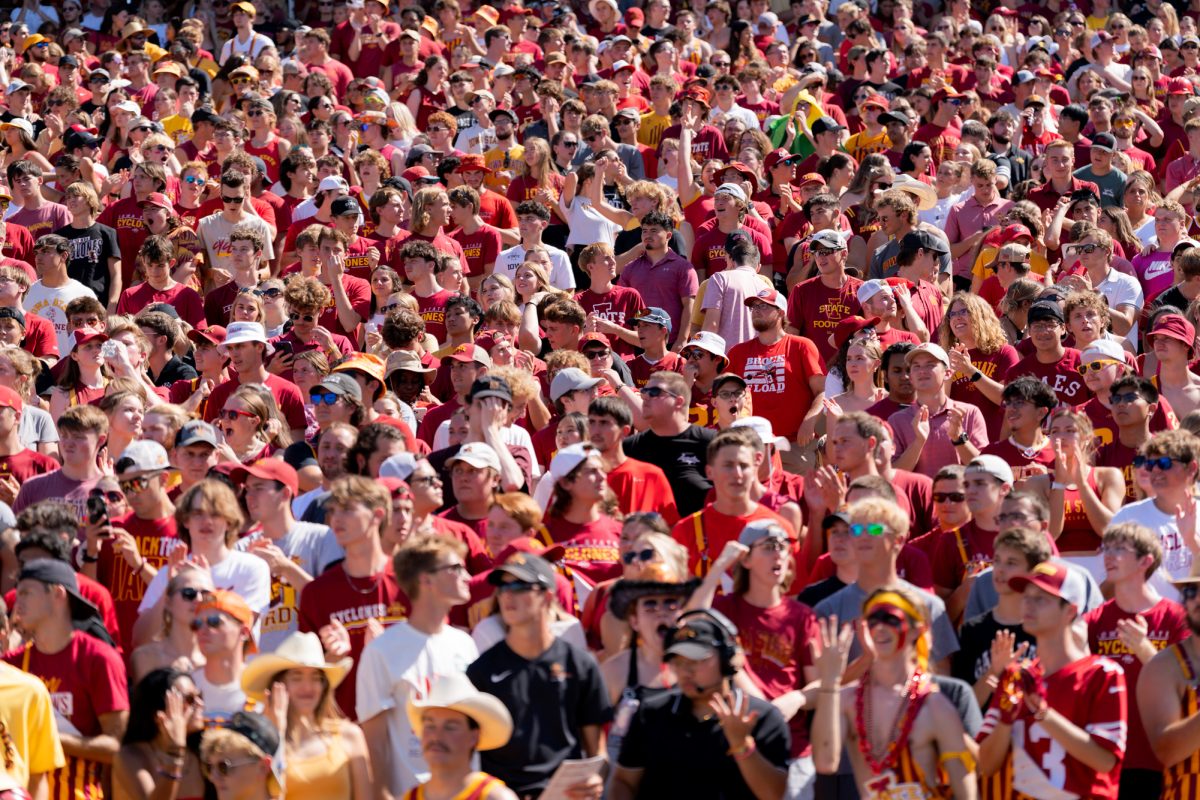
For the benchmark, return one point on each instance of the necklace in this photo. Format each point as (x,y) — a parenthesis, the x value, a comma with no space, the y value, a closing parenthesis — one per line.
(350,582)
(900,728)
(1033,450)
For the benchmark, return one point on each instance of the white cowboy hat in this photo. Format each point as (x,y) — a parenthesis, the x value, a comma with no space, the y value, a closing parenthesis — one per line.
(297,651)
(925,195)
(457,693)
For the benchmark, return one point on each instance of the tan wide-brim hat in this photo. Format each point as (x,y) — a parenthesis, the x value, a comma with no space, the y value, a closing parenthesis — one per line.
(922,193)
(457,693)
(297,651)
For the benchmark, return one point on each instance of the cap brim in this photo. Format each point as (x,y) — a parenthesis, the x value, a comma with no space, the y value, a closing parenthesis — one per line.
(1022,582)
(693,651)
(496,576)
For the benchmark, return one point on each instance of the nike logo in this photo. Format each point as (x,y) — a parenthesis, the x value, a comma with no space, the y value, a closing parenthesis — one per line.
(499,676)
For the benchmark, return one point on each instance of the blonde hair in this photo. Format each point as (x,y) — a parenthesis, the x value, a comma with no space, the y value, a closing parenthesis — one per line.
(989,336)
(212,497)
(871,510)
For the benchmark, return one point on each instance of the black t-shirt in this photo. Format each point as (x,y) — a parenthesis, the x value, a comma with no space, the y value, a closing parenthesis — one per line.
(299,455)
(627,240)
(682,458)
(974,656)
(681,756)
(174,370)
(551,699)
(91,248)
(819,591)
(1172,297)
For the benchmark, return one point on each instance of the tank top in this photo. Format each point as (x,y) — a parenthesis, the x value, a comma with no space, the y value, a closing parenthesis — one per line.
(906,779)
(1182,781)
(320,777)
(477,788)
(1077,534)
(87,395)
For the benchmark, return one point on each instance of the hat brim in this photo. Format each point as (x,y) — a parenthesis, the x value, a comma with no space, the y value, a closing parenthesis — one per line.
(1022,582)
(224,346)
(491,715)
(625,593)
(258,672)
(692,651)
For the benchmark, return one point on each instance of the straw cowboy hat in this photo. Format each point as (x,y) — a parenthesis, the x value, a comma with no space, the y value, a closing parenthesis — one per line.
(297,651)
(925,195)
(457,693)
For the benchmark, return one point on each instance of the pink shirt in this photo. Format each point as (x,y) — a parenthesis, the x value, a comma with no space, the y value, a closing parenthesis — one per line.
(938,450)
(970,217)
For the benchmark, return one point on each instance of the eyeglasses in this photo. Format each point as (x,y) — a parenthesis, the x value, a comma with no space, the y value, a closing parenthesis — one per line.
(771,545)
(432,480)
(1090,247)
(328,398)
(1121,399)
(1114,550)
(294,317)
(873,529)
(192,594)
(1013,517)
(948,497)
(516,587)
(1188,592)
(137,484)
(232,413)
(693,354)
(731,395)
(226,765)
(196,180)
(655,604)
(213,621)
(111,495)
(1044,325)
(232,201)
(1149,464)
(654,392)
(640,555)
(1097,365)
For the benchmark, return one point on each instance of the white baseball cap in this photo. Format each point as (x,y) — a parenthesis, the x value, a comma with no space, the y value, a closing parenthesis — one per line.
(568,458)
(477,454)
(995,466)
(1103,348)
(869,289)
(733,190)
(762,426)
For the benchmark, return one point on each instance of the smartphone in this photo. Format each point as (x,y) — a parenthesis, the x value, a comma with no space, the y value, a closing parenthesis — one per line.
(283,348)
(97,511)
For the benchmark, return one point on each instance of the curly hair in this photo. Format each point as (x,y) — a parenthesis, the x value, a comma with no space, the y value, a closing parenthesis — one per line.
(306,293)
(989,336)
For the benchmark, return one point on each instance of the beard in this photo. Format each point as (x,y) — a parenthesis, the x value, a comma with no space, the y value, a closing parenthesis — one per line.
(762,325)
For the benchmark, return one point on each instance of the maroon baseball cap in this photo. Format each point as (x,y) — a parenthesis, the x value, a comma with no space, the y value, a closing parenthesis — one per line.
(1176,327)
(213,334)
(1053,578)
(1180,86)
(778,156)
(269,469)
(527,544)
(848,326)
(157,200)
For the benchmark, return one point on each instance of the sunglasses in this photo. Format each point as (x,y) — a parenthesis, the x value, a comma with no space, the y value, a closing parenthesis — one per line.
(1085,248)
(1188,592)
(294,317)
(1098,364)
(135,484)
(111,495)
(592,355)
(328,398)
(873,529)
(818,250)
(195,180)
(654,604)
(270,294)
(641,555)
(1163,463)
(571,143)
(948,497)
(232,413)
(227,765)
(232,201)
(654,392)
(256,113)
(192,594)
(516,587)
(885,618)
(213,621)
(389,307)
(1127,397)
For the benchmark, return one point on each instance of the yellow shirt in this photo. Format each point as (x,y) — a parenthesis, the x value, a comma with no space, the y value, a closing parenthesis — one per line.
(26,711)
(651,130)
(178,127)
(862,144)
(503,164)
(983,264)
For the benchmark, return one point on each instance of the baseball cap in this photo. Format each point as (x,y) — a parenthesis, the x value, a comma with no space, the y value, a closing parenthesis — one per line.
(230,602)
(760,529)
(1103,348)
(655,315)
(213,334)
(594,337)
(331,182)
(196,431)
(399,466)
(894,116)
(525,567)
(848,326)
(157,200)
(341,384)
(995,466)
(771,296)
(697,639)
(825,125)
(779,156)
(468,353)
(708,341)
(1105,142)
(923,240)
(13,313)
(929,348)
(10,399)
(726,377)
(762,426)
(1053,578)
(344,207)
(868,289)
(142,456)
(52,571)
(570,457)
(1023,76)
(571,379)
(269,469)
(733,190)
(829,238)
(811,177)
(257,729)
(490,386)
(478,454)
(1174,326)
(1045,309)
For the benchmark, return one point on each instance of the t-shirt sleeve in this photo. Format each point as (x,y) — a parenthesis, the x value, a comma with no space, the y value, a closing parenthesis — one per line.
(715,292)
(373,685)
(947,563)
(110,243)
(108,686)
(292,408)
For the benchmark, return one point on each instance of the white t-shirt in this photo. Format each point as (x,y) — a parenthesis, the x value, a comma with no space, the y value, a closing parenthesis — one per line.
(1121,290)
(392,667)
(586,224)
(221,701)
(1177,559)
(52,305)
(214,232)
(243,573)
(561,277)
(313,548)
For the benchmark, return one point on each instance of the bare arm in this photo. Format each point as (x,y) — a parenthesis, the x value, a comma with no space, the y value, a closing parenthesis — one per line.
(950,740)
(360,761)
(1172,736)
(102,747)
(379,749)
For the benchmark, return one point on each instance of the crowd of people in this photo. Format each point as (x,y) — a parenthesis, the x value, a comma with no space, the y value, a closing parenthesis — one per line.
(490,401)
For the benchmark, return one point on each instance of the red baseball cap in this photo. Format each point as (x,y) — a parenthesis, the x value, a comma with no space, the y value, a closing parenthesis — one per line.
(396,487)
(1051,577)
(213,334)
(10,399)
(1175,327)
(778,156)
(85,335)
(269,469)
(811,177)
(848,326)
(1180,86)
(595,336)
(157,200)
(527,544)
(877,100)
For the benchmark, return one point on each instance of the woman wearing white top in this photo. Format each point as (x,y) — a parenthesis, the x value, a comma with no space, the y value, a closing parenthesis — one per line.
(245,41)
(207,520)
(577,204)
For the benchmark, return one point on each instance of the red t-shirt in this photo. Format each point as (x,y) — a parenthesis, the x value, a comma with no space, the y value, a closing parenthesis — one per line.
(433,311)
(776,642)
(641,369)
(358,292)
(495,210)
(618,305)
(639,486)
(778,378)
(287,397)
(1062,376)
(1166,624)
(352,601)
(969,545)
(1024,463)
(95,594)
(814,310)
(1092,694)
(592,550)
(993,365)
(155,538)
(26,464)
(186,301)
(479,248)
(708,253)
(86,679)
(40,339)
(706,532)
(125,217)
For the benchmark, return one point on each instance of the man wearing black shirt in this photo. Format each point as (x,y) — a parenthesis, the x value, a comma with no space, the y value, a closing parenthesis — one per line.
(703,738)
(552,689)
(670,443)
(162,330)
(95,256)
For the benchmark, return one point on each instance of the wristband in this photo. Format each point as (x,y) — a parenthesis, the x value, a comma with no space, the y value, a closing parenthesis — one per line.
(85,558)
(745,751)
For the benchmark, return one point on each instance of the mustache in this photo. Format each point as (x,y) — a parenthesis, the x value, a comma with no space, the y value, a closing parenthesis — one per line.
(435,747)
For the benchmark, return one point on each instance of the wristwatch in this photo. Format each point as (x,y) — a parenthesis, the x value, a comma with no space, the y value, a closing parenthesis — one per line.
(85,558)
(961,440)
(975,378)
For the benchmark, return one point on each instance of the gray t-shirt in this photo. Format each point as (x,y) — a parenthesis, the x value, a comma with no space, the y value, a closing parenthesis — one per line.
(887,255)
(1112,185)
(847,605)
(983,596)
(313,548)
(36,427)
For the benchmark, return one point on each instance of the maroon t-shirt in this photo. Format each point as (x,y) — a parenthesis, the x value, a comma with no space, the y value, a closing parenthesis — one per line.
(1062,376)
(1025,463)
(433,311)
(641,369)
(591,549)
(125,217)
(618,305)
(814,310)
(155,538)
(287,398)
(479,248)
(994,365)
(186,301)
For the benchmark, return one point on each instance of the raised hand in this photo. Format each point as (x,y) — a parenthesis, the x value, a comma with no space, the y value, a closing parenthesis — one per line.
(956,418)
(920,424)
(831,651)
(1005,650)
(1185,521)
(335,639)
(172,720)
(734,715)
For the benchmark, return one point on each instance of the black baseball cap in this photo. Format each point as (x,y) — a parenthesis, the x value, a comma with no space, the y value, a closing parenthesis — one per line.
(12,313)
(203,114)
(923,240)
(54,572)
(696,639)
(344,207)
(826,124)
(1046,309)
(525,567)
(257,729)
(490,386)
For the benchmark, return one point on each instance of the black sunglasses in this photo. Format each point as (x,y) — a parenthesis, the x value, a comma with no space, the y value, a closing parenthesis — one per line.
(213,621)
